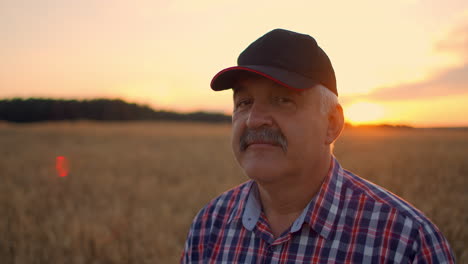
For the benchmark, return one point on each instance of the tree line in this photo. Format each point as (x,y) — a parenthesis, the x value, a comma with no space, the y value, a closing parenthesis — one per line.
(41,109)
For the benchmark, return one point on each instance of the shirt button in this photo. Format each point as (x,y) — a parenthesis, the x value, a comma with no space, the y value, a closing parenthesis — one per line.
(267,257)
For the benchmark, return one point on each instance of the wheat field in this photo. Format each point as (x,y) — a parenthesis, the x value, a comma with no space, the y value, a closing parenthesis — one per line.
(133,188)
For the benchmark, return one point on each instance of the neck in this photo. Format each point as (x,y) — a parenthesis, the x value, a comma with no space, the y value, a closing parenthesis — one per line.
(283,205)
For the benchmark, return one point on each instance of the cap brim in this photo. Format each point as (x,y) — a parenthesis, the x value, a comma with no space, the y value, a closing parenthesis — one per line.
(227,78)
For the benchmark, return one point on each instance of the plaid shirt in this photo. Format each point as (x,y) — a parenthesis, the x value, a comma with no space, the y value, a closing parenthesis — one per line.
(349,220)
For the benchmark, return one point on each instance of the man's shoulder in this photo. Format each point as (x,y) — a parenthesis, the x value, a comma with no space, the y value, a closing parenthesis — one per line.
(378,198)
(385,214)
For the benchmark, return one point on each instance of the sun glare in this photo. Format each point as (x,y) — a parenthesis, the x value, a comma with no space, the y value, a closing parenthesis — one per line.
(364,113)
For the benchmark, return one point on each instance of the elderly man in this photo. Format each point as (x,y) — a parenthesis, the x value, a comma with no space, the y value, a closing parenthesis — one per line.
(300,205)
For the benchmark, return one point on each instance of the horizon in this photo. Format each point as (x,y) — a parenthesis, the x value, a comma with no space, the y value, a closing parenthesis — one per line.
(404,62)
(347,123)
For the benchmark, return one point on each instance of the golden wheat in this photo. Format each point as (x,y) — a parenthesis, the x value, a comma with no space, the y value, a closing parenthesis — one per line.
(134,188)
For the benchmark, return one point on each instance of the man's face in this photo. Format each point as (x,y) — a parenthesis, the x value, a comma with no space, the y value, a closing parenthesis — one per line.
(277,132)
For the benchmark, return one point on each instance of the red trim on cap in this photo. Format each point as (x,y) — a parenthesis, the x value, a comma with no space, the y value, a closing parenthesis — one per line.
(254,71)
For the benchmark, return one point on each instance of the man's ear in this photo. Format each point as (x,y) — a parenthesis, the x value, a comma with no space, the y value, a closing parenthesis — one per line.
(335,124)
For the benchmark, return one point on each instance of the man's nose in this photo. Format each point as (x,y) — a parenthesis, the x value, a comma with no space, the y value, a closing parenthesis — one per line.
(259,115)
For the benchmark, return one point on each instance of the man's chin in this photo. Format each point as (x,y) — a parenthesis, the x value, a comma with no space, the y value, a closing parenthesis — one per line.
(262,171)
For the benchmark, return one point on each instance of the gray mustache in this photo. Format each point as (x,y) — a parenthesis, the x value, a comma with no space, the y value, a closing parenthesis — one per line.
(266,135)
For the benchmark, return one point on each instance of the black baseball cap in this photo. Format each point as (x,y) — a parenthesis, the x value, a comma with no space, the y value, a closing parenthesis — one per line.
(289,58)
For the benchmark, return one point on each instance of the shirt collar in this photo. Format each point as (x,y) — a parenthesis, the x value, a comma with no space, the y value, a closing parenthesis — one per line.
(237,212)
(320,213)
(253,209)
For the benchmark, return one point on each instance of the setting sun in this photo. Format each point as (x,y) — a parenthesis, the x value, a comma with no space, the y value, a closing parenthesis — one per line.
(364,113)
(164,54)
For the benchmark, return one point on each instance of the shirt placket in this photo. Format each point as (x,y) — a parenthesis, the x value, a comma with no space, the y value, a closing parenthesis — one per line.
(270,250)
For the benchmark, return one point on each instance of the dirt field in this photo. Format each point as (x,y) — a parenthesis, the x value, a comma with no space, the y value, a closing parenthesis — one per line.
(134,188)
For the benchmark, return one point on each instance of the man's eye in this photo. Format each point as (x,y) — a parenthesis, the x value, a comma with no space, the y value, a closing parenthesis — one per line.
(284,100)
(243,103)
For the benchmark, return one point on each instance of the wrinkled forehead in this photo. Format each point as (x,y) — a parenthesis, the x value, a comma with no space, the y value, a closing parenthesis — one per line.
(245,80)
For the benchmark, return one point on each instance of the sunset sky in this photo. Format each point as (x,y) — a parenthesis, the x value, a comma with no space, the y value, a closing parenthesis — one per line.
(397,62)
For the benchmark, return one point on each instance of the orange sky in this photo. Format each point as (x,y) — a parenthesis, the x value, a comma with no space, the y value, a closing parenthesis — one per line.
(400,62)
